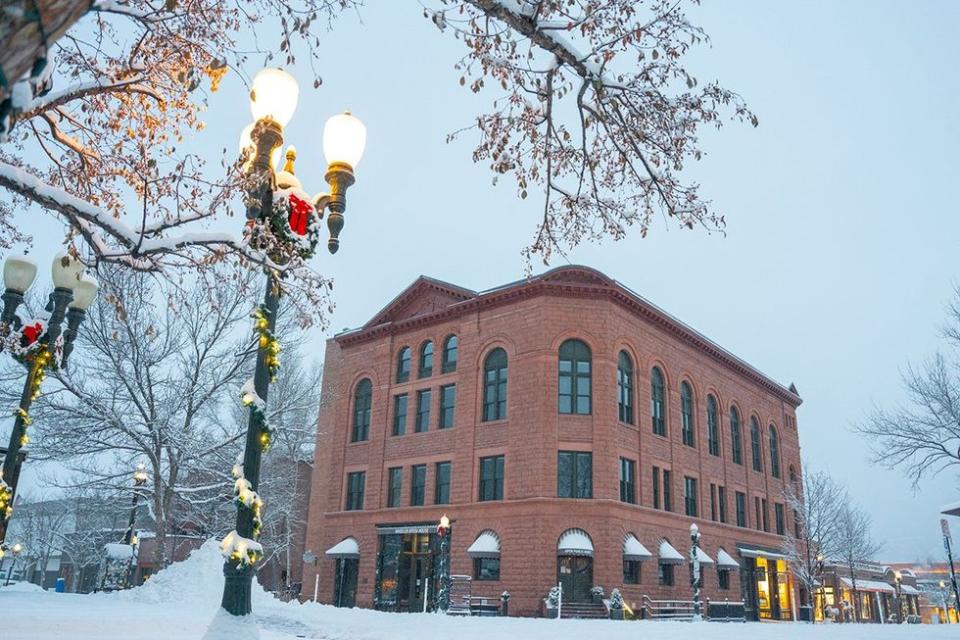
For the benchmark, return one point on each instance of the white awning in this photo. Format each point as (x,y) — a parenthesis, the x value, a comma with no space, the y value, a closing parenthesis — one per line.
(726,561)
(669,555)
(575,542)
(346,548)
(703,557)
(487,545)
(633,550)
(868,585)
(760,553)
(910,591)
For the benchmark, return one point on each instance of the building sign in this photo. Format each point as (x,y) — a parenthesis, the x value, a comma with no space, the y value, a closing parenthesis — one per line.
(423,528)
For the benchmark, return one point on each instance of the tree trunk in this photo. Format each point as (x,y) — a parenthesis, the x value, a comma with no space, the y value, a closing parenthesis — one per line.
(22,38)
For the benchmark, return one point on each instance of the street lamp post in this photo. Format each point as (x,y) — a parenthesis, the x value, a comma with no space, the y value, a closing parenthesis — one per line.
(15,553)
(139,479)
(898,578)
(695,574)
(443,583)
(273,99)
(37,344)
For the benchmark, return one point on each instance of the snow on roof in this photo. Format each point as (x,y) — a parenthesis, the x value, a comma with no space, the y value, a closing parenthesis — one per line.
(633,550)
(346,548)
(118,550)
(703,557)
(726,561)
(869,585)
(669,555)
(575,542)
(760,553)
(909,590)
(487,545)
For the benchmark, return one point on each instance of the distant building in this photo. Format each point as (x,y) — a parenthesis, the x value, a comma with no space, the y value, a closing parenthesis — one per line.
(570,429)
(869,594)
(937,600)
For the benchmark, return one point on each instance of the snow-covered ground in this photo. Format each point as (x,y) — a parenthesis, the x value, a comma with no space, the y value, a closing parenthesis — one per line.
(180,603)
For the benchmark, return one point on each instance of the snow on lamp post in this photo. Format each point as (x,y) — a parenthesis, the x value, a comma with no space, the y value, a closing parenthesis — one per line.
(695,570)
(38,345)
(284,222)
(443,590)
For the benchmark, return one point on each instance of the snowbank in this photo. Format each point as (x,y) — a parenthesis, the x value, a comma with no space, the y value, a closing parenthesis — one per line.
(198,580)
(22,587)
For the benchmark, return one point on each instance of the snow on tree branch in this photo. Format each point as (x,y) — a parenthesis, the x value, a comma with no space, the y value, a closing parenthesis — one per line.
(594,106)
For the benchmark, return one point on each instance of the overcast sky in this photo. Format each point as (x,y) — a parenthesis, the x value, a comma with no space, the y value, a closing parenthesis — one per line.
(842,234)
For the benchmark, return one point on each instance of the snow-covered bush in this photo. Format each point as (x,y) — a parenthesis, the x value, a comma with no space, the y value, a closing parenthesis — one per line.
(553,598)
(597,592)
(616,599)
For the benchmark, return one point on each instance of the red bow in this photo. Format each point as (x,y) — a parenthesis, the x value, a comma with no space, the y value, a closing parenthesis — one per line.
(300,211)
(32,332)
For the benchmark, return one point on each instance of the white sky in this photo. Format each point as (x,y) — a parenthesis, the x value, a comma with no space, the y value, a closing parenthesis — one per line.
(842,226)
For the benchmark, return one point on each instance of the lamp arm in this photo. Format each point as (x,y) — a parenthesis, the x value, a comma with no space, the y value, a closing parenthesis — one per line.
(57,305)
(75,318)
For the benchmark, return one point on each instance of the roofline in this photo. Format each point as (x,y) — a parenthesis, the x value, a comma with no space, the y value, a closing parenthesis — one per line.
(541,285)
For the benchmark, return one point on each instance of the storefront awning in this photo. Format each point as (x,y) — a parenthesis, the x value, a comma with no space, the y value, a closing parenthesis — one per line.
(868,585)
(703,557)
(346,548)
(575,542)
(633,550)
(748,552)
(910,591)
(669,555)
(726,561)
(487,545)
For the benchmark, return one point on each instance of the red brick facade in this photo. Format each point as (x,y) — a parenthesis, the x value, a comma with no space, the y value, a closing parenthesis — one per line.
(530,319)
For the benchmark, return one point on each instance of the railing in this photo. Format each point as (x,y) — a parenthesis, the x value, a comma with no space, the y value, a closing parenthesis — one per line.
(667,609)
(726,611)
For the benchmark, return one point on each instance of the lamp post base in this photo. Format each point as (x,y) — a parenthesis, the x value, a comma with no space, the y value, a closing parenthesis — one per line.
(237,584)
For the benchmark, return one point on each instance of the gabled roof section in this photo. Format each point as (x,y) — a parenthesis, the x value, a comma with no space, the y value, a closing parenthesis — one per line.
(423,297)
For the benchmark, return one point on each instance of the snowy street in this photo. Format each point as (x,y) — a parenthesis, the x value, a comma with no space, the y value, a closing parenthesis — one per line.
(181,601)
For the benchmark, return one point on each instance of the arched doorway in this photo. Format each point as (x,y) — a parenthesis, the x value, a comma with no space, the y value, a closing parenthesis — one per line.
(575,565)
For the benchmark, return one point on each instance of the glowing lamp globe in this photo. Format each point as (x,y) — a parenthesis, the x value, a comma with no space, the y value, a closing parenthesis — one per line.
(344,138)
(84,292)
(19,273)
(66,271)
(274,95)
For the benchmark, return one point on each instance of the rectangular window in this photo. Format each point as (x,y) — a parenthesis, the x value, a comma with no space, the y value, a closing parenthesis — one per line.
(723,579)
(741,501)
(779,519)
(766,521)
(491,478)
(423,410)
(441,494)
(355,483)
(667,502)
(400,414)
(574,474)
(448,402)
(394,486)
(656,487)
(418,485)
(631,572)
(690,496)
(796,525)
(486,568)
(666,575)
(628,483)
(713,502)
(722,500)
(757,521)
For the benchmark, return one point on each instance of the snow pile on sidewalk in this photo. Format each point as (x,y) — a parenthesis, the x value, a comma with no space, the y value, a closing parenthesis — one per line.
(21,587)
(198,580)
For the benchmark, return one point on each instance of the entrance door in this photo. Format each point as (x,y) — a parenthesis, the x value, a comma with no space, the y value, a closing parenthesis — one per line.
(575,575)
(414,572)
(345,587)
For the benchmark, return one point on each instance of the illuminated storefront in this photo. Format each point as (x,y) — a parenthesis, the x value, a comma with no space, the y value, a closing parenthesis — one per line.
(766,584)
(407,564)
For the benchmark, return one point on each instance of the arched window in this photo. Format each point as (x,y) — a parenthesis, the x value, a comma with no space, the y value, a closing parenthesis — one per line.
(495,385)
(403,365)
(625,387)
(736,441)
(793,475)
(686,414)
(774,453)
(574,389)
(713,427)
(755,446)
(656,402)
(426,359)
(362,399)
(450,346)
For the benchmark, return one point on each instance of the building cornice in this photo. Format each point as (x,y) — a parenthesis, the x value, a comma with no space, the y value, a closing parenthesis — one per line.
(591,284)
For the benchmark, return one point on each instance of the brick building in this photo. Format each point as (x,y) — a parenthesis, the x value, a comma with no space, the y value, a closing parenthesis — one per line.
(572,432)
